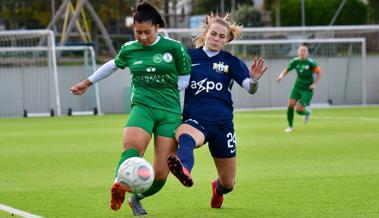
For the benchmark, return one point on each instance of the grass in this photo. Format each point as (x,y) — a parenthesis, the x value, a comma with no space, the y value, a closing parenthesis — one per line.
(64,166)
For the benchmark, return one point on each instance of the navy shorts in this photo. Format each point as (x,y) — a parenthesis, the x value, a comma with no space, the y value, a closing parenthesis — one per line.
(221,139)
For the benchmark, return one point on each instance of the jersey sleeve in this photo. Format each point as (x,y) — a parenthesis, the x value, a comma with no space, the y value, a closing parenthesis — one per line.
(291,65)
(182,60)
(239,71)
(121,58)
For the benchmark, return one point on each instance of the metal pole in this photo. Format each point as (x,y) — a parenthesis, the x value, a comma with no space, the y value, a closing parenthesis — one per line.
(303,16)
(364,76)
(337,13)
(55,72)
(277,14)
(302,13)
(53,15)
(222,7)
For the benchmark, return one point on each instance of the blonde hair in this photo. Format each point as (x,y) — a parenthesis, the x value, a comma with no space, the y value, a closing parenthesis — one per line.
(234,30)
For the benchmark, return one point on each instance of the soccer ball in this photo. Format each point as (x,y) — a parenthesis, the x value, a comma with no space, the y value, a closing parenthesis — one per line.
(137,173)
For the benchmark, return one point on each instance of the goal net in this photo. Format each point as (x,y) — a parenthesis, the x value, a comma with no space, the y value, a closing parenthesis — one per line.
(34,83)
(342,64)
(74,64)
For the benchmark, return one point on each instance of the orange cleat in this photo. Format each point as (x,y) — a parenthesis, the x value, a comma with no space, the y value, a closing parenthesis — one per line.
(117,195)
(217,199)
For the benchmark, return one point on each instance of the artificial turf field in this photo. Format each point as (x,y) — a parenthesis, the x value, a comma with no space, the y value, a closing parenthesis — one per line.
(64,166)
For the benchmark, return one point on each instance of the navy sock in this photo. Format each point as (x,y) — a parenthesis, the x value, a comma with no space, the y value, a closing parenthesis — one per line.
(221,190)
(185,151)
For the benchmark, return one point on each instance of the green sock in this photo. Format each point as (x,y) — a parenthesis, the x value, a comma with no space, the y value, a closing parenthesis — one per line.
(304,112)
(290,116)
(155,187)
(130,152)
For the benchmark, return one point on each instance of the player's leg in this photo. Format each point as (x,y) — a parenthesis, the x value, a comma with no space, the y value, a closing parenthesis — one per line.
(135,143)
(137,135)
(182,163)
(226,169)
(290,114)
(222,145)
(294,96)
(164,145)
(302,108)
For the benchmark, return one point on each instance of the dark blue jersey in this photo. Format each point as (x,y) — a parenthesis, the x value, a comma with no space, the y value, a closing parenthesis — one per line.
(208,97)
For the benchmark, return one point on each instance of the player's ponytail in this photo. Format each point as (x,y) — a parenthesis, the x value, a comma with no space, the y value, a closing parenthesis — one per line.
(234,30)
(146,12)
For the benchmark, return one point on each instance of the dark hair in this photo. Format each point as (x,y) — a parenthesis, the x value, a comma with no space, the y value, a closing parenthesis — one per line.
(146,12)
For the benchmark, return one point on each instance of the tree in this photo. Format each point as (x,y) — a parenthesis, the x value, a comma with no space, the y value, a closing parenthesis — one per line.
(321,12)
(25,14)
(269,5)
(37,13)
(248,16)
(373,11)
(208,6)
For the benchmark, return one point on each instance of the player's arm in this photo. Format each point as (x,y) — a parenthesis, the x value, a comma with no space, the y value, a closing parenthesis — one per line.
(183,66)
(104,71)
(183,82)
(282,74)
(291,66)
(316,71)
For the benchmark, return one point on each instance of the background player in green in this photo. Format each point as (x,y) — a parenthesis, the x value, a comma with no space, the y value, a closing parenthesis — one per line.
(159,68)
(302,90)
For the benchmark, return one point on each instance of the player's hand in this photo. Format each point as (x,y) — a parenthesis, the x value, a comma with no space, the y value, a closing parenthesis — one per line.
(258,68)
(312,87)
(80,88)
(279,78)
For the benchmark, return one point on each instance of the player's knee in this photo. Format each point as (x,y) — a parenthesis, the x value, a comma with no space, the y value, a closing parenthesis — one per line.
(299,111)
(160,174)
(291,103)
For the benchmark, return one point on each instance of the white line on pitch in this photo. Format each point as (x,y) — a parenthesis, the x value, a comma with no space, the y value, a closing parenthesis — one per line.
(318,117)
(17,212)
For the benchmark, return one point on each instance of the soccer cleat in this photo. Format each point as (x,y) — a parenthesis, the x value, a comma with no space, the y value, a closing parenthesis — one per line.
(179,171)
(289,129)
(136,206)
(217,199)
(117,195)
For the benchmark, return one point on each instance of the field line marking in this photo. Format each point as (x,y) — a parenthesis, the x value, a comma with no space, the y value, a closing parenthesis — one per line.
(320,117)
(17,212)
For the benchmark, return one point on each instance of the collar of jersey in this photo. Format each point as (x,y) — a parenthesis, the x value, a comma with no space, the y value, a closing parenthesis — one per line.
(210,53)
(155,42)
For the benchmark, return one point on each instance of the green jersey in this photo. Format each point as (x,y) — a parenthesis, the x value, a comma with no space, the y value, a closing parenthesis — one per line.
(154,72)
(304,69)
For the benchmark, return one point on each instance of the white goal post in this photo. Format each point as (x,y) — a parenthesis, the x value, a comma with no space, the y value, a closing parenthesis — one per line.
(33,75)
(25,55)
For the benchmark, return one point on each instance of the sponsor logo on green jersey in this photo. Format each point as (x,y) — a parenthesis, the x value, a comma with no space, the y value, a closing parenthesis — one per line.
(157,58)
(167,57)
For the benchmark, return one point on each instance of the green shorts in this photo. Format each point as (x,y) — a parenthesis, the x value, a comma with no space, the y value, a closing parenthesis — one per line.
(154,120)
(304,96)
